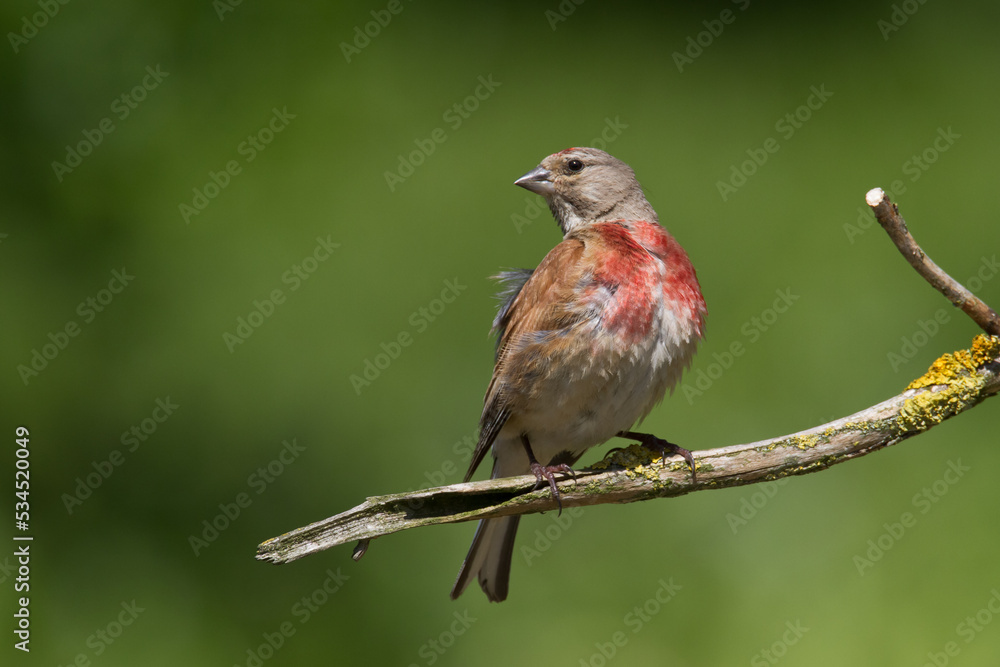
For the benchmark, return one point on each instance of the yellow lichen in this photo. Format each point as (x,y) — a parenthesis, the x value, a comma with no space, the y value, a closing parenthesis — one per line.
(950,367)
(957,374)
(803,442)
(636,461)
(985,349)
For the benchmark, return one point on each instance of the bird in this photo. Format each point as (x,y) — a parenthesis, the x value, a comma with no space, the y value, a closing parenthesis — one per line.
(587,343)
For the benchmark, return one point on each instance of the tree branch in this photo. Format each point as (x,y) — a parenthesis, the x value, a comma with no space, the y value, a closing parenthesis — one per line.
(954,383)
(888,216)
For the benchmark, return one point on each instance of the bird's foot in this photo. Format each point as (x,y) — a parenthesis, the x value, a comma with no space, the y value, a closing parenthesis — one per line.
(543,473)
(664,447)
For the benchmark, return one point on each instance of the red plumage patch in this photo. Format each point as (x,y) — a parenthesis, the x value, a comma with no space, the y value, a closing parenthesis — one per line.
(629,265)
(630,272)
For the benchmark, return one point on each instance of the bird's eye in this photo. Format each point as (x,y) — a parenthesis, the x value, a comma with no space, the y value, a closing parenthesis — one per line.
(574,165)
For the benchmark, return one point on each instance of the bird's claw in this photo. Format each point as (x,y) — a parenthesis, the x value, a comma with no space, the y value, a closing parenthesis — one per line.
(548,473)
(665,449)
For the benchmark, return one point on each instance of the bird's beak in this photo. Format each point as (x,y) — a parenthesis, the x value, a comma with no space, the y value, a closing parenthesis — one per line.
(538,180)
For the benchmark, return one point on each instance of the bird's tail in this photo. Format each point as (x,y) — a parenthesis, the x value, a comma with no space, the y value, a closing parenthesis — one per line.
(489,558)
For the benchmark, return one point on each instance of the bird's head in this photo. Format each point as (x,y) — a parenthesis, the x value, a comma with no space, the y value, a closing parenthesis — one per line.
(586,185)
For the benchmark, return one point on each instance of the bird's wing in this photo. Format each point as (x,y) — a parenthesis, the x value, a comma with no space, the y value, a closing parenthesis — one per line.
(540,306)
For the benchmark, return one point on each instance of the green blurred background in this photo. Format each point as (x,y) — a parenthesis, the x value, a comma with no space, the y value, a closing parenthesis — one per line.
(783,586)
